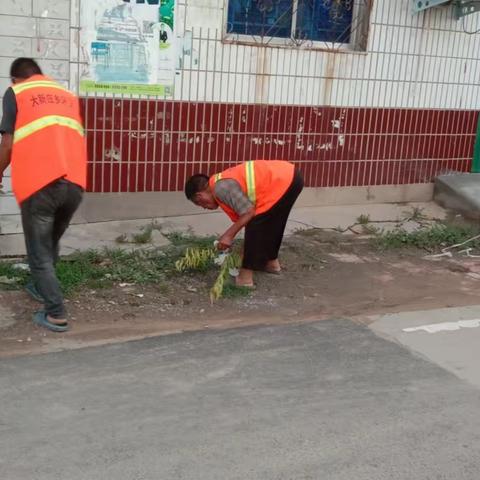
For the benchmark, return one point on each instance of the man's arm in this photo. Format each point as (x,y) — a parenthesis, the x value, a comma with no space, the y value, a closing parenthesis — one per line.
(226,240)
(7,128)
(229,192)
(5,153)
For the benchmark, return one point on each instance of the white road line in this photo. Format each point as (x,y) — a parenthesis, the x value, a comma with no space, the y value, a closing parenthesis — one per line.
(445,326)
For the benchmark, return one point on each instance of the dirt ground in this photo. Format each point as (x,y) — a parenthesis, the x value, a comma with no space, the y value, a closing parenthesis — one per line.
(326,275)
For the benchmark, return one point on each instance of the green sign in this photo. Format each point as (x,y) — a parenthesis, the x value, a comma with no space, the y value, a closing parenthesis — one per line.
(90,86)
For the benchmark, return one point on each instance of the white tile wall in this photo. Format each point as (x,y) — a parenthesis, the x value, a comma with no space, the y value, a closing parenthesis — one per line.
(48,9)
(41,29)
(16,26)
(420,61)
(13,47)
(16,7)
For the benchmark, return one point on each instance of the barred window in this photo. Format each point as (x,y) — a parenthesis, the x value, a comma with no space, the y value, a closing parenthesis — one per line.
(296,21)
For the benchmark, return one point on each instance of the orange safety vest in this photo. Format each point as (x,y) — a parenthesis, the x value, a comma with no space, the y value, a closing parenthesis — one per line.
(263,181)
(48,142)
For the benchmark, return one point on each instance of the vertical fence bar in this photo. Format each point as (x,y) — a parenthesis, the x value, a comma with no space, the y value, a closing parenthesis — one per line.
(222,98)
(113,149)
(94,133)
(397,104)
(476,151)
(156,134)
(210,135)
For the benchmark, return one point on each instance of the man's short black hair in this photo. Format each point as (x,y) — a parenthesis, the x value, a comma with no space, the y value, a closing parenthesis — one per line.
(24,68)
(195,184)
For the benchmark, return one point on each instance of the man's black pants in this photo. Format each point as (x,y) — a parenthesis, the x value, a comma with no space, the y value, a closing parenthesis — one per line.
(45,217)
(264,233)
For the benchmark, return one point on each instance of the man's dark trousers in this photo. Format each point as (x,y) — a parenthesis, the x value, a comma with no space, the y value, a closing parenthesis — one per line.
(45,217)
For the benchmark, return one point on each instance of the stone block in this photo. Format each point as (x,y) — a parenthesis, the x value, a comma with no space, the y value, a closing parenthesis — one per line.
(16,26)
(15,7)
(51,49)
(10,224)
(8,205)
(460,193)
(53,29)
(16,47)
(59,9)
(4,82)
(57,69)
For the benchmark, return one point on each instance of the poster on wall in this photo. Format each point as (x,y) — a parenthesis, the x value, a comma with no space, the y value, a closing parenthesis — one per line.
(127,46)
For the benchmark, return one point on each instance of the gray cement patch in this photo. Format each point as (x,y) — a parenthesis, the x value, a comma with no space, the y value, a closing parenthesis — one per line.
(456,349)
(7,318)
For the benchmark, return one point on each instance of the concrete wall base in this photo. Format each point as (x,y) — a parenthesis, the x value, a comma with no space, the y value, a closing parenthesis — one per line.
(99,207)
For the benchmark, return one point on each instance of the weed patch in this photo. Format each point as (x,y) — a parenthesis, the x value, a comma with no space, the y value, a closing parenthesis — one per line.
(429,238)
(144,237)
(102,269)
(11,277)
(363,219)
(232,291)
(179,239)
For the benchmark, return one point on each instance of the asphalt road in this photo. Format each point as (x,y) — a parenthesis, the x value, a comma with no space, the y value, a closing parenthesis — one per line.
(329,400)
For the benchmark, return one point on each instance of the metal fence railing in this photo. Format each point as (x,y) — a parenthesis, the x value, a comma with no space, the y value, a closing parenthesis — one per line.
(400,112)
(398,105)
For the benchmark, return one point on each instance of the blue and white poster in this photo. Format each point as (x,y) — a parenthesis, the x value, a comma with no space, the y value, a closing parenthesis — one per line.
(127,46)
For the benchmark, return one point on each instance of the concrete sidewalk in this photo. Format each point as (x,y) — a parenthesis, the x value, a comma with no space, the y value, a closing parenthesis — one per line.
(104,235)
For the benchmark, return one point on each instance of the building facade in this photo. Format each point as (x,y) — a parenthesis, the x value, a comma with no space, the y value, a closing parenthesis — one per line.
(357,93)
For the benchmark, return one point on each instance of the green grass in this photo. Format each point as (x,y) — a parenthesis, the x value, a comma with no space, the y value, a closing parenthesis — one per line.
(415,214)
(7,271)
(429,238)
(363,219)
(232,291)
(83,269)
(144,237)
(180,239)
(370,229)
(101,269)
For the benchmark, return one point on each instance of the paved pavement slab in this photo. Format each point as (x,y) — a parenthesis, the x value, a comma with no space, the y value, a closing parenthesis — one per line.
(453,342)
(104,234)
(328,400)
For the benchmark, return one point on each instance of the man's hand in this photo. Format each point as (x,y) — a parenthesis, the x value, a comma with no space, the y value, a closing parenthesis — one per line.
(225,242)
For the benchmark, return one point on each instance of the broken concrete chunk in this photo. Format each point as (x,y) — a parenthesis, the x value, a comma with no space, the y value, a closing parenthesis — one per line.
(8,281)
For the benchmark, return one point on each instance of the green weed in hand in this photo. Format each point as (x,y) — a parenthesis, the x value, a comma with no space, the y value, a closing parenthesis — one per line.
(199,259)
(232,260)
(196,259)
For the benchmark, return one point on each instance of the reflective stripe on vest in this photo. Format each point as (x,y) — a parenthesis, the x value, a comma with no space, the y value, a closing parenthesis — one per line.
(21,87)
(250,181)
(45,122)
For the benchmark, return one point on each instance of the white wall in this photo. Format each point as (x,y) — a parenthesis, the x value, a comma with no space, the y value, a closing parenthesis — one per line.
(421,60)
(39,29)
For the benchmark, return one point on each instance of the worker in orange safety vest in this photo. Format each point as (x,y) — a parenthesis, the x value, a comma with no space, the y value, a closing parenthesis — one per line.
(43,142)
(257,195)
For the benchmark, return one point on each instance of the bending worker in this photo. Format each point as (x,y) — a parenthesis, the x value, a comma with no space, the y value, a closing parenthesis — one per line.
(42,138)
(257,195)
